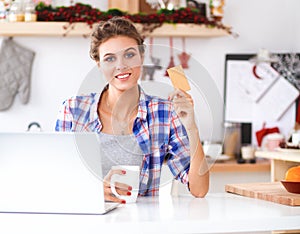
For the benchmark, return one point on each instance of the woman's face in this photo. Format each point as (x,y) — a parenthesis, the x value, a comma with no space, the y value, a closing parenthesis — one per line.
(120,62)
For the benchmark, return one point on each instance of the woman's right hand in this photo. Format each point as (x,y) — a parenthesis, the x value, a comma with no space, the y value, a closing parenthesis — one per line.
(121,188)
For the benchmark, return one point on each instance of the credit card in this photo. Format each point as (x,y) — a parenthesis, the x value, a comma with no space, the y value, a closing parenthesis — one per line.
(178,78)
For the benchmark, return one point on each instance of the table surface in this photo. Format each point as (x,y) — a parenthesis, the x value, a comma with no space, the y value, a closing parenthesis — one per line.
(216,213)
(280,154)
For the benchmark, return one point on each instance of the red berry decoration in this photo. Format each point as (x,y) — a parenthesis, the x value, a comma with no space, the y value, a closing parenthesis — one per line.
(85,13)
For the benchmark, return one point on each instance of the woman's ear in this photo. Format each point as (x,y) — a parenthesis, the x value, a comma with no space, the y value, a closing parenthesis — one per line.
(98,64)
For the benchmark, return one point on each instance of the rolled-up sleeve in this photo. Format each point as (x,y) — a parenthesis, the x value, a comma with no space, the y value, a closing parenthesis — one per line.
(179,150)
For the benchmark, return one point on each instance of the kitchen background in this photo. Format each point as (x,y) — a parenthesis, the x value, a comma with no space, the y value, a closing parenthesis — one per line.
(62,63)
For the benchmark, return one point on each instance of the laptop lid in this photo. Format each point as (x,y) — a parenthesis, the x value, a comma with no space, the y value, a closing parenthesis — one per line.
(51,172)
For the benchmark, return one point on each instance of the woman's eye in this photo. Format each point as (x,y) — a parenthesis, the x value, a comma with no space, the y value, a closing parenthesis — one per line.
(129,55)
(109,59)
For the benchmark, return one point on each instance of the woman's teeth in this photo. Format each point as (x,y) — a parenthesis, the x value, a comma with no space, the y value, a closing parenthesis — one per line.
(124,76)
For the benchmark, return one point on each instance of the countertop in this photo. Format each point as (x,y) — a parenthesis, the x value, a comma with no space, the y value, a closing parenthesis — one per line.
(280,154)
(216,213)
(281,161)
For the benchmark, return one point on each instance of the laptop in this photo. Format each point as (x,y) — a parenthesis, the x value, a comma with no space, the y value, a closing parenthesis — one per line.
(51,172)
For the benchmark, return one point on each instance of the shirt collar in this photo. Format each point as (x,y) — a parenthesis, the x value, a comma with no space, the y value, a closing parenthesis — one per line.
(142,110)
(94,117)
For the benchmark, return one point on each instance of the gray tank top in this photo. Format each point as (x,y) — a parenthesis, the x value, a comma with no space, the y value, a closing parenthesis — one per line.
(119,150)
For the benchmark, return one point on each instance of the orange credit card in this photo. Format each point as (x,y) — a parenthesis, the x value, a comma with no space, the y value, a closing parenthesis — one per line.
(178,78)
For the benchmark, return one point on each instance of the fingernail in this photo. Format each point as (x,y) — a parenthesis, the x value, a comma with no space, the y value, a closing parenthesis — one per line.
(128,193)
(123,172)
(129,188)
(123,202)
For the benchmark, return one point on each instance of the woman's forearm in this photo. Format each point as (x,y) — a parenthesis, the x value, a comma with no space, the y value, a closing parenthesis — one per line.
(199,171)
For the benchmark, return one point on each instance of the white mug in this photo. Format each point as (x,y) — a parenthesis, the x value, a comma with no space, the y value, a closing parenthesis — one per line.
(212,150)
(296,138)
(248,152)
(131,178)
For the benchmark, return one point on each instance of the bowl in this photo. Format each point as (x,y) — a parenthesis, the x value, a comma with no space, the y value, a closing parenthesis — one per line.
(291,186)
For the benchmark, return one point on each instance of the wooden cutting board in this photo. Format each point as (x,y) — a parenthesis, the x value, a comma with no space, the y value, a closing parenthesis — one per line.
(274,192)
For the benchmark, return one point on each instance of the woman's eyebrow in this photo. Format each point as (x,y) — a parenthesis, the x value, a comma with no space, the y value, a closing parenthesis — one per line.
(108,54)
(130,48)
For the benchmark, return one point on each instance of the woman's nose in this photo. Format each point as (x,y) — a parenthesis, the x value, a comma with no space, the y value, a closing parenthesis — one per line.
(121,65)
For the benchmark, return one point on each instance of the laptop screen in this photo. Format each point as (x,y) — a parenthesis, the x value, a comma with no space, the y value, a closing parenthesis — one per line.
(50,172)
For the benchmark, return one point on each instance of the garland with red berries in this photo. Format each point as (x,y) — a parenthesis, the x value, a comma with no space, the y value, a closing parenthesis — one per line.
(85,13)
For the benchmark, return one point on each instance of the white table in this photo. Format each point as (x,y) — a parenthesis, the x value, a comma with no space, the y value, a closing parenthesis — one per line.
(217,212)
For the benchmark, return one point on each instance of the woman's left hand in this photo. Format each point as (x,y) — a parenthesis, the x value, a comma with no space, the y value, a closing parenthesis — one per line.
(184,107)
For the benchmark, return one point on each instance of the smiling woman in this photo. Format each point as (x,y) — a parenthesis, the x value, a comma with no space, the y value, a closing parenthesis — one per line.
(119,65)
(140,129)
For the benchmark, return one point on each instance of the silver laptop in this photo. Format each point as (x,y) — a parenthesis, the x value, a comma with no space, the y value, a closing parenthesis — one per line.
(51,172)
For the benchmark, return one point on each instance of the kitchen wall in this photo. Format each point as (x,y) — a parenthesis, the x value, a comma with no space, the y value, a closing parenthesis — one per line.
(61,64)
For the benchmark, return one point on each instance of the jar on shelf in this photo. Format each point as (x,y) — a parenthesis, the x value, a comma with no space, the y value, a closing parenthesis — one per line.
(16,13)
(30,12)
(2,12)
(232,139)
(216,9)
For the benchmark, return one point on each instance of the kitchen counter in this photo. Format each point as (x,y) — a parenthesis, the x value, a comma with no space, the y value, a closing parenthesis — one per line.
(222,173)
(280,154)
(216,213)
(229,172)
(281,161)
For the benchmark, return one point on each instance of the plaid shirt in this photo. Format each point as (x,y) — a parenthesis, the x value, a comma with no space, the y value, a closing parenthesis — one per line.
(157,128)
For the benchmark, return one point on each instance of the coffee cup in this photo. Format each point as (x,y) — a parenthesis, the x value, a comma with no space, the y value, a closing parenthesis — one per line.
(296,138)
(130,178)
(248,152)
(273,141)
(212,150)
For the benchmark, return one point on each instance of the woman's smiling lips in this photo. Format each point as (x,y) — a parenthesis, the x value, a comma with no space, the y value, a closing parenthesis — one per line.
(123,76)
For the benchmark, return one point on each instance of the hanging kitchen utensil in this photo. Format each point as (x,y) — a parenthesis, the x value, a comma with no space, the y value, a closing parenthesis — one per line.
(15,73)
(152,65)
(171,63)
(184,57)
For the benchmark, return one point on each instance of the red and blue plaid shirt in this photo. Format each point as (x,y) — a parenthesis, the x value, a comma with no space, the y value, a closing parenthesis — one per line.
(157,128)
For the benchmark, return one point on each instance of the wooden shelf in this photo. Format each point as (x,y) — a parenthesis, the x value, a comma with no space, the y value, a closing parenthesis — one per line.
(233,166)
(37,29)
(187,30)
